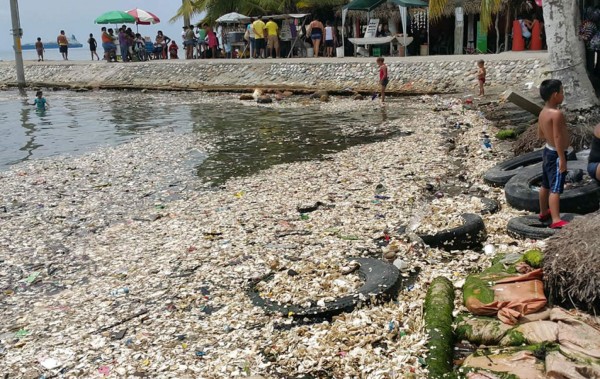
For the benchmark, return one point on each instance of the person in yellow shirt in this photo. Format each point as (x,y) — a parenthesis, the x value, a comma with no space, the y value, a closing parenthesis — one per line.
(273,38)
(259,36)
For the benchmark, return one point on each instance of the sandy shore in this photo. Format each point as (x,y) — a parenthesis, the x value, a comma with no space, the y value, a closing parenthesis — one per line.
(74,229)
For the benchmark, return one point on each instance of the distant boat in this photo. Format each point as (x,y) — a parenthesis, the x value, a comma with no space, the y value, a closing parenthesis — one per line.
(52,44)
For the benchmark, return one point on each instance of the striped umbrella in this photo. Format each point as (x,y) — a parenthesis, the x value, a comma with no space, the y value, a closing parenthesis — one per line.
(143,17)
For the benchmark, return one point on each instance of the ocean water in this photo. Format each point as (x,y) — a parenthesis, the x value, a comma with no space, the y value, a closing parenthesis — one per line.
(247,137)
(75,54)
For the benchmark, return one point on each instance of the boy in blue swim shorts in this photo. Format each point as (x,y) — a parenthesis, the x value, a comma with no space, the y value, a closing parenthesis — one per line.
(552,128)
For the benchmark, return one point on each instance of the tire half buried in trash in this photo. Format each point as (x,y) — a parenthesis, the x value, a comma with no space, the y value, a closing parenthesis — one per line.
(500,174)
(380,279)
(466,236)
(531,227)
(522,191)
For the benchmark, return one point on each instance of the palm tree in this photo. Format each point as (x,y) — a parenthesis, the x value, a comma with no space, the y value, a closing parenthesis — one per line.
(186,11)
(216,8)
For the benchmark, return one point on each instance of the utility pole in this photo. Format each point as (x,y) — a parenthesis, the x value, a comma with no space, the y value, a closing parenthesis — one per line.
(17,33)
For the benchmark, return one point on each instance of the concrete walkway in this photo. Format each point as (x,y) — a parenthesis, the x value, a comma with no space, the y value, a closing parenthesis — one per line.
(506,56)
(408,75)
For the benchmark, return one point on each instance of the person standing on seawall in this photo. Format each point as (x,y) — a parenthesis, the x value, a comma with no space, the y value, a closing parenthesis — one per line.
(594,158)
(39,47)
(93,46)
(330,39)
(316,35)
(201,36)
(63,45)
(259,36)
(252,39)
(273,36)
(123,44)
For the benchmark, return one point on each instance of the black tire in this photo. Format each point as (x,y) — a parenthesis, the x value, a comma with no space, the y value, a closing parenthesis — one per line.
(531,227)
(380,279)
(521,194)
(500,174)
(467,236)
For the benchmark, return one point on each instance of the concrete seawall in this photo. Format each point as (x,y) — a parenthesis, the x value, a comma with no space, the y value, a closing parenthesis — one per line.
(411,75)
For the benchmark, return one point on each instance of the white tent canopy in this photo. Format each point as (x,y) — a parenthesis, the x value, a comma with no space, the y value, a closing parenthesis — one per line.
(236,17)
(232,17)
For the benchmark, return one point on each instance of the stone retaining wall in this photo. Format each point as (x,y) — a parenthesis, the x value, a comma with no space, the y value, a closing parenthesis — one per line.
(406,76)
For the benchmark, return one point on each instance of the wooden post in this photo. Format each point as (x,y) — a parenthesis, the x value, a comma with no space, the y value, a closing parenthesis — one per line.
(459,30)
(17,32)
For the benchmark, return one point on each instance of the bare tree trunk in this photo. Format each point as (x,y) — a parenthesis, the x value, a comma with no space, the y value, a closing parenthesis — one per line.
(567,53)
(497,32)
(459,31)
(507,27)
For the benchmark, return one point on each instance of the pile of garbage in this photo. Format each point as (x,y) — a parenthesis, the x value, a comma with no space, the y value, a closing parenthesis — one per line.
(122,263)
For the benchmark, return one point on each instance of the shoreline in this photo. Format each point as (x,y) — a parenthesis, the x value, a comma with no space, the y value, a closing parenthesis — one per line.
(410,75)
(76,228)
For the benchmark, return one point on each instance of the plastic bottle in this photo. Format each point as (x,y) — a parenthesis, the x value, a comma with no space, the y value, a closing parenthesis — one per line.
(486,143)
(120,291)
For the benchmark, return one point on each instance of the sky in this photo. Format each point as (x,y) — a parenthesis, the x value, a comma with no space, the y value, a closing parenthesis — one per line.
(46,19)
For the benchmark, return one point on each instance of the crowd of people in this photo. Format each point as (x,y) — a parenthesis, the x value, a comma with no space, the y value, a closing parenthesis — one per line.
(262,39)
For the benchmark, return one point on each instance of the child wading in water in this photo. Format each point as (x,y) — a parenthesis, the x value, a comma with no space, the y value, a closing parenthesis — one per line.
(40,102)
(481,76)
(552,128)
(383,77)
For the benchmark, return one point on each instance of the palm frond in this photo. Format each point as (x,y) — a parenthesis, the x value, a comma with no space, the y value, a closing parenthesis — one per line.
(436,8)
(488,8)
(189,8)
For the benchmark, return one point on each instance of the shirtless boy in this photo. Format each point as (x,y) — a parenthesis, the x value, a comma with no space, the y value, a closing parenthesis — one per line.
(552,128)
(481,72)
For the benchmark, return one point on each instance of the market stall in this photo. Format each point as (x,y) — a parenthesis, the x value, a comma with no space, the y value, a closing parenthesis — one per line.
(231,33)
(370,37)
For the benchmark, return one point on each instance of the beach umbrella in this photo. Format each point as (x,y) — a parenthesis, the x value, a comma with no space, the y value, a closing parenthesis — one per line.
(232,17)
(115,17)
(143,17)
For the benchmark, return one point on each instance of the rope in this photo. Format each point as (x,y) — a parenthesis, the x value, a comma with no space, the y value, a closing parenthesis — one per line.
(563,68)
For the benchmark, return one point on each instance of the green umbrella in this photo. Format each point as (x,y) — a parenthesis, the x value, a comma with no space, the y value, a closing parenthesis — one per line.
(115,17)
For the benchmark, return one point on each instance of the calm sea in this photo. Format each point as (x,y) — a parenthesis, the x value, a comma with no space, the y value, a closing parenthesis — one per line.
(75,54)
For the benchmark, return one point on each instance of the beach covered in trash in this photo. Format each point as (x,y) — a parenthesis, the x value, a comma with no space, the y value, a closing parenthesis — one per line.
(122,262)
